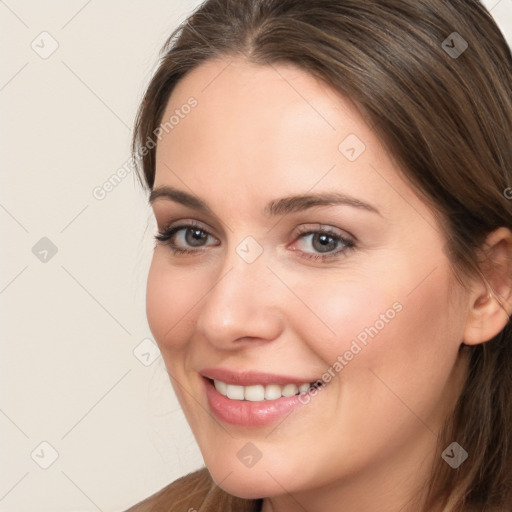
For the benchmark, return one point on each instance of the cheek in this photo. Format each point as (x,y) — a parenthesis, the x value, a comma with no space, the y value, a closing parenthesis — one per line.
(343,315)
(171,294)
(381,324)
(390,359)
(397,346)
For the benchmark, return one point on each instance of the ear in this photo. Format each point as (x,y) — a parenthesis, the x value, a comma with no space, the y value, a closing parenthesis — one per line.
(490,298)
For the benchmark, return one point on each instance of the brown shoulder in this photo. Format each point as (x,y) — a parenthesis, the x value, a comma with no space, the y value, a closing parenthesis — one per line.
(195,492)
(188,490)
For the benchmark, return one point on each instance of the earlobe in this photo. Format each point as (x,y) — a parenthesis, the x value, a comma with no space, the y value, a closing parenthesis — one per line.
(490,300)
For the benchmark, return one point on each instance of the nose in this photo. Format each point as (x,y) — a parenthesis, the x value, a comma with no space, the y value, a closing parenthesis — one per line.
(243,305)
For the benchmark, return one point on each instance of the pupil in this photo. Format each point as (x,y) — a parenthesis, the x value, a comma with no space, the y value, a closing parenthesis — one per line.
(197,237)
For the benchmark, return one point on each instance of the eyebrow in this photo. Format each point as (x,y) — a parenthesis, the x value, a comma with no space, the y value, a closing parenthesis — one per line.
(285,205)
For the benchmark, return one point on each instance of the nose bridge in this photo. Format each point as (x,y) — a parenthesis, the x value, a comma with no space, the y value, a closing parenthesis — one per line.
(240,302)
(244,270)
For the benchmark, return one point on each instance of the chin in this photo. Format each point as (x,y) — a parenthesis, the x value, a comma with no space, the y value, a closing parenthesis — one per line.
(248,483)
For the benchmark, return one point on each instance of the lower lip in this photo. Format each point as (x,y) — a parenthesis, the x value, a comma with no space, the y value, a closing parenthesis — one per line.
(246,413)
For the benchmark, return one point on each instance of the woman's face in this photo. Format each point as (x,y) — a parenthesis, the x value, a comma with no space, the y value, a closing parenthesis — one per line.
(309,258)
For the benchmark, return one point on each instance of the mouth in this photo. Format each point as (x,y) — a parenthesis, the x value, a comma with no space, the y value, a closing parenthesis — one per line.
(251,399)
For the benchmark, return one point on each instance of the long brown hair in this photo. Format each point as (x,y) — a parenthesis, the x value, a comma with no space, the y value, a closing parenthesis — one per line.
(441,103)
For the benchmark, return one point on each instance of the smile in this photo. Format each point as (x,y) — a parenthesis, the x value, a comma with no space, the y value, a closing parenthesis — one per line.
(259,392)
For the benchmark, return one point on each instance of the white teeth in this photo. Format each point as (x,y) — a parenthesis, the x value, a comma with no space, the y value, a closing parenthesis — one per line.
(221,387)
(272,391)
(258,392)
(235,392)
(290,390)
(254,393)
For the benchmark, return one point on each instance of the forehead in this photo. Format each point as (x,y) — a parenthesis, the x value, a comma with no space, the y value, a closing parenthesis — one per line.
(248,99)
(256,130)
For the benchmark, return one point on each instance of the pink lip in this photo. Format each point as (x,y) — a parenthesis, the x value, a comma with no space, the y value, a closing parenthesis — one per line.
(251,378)
(246,413)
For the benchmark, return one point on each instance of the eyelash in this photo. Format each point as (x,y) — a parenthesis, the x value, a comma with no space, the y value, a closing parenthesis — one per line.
(165,236)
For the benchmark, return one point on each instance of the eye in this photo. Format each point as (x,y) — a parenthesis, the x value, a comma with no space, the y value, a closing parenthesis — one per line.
(184,237)
(190,238)
(326,243)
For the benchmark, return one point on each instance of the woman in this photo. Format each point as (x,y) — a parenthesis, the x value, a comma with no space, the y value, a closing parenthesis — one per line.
(331,282)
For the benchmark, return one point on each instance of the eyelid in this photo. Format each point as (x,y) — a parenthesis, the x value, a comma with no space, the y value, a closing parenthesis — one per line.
(186,223)
(316,226)
(185,220)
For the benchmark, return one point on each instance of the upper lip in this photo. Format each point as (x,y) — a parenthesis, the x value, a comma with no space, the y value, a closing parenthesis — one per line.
(250,378)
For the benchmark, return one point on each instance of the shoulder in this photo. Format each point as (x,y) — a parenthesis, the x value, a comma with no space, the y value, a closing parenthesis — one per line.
(195,492)
(192,488)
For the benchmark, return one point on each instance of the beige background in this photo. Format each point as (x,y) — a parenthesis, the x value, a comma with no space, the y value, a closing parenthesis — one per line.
(88,420)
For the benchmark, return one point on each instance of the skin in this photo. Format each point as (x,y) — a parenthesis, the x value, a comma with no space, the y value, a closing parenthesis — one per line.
(367,440)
